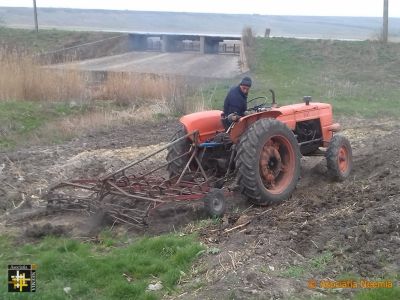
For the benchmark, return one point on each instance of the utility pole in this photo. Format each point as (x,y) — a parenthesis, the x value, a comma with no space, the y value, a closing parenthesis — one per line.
(35,16)
(385,21)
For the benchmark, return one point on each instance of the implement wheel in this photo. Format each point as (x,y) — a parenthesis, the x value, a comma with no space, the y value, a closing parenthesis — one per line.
(268,162)
(339,158)
(214,203)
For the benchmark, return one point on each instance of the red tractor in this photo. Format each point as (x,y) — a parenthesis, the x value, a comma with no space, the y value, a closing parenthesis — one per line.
(263,149)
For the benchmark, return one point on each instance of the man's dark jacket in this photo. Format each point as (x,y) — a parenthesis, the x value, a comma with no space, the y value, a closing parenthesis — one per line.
(235,102)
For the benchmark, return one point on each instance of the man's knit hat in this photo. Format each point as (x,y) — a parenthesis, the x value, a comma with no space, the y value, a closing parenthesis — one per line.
(246,81)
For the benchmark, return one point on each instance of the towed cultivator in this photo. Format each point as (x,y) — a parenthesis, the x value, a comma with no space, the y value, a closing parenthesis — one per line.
(129,194)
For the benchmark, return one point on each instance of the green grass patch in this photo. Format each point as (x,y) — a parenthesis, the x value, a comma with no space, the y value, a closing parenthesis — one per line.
(96,271)
(379,294)
(294,272)
(318,263)
(366,293)
(19,119)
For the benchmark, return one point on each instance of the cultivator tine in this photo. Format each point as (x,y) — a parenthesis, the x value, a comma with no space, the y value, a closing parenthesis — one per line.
(194,133)
(127,222)
(166,164)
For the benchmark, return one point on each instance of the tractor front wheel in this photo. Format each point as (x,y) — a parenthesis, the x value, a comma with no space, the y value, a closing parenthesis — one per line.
(268,162)
(339,158)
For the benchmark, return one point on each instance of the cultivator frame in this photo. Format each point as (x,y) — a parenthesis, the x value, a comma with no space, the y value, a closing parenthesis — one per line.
(129,198)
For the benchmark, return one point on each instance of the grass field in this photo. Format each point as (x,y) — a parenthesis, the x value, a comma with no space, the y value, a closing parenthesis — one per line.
(357,78)
(109,268)
(19,119)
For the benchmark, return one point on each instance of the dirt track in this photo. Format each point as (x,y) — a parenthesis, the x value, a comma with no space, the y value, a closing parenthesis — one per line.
(324,231)
(187,64)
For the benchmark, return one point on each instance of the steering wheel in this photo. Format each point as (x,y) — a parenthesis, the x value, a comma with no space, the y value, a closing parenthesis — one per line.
(258,107)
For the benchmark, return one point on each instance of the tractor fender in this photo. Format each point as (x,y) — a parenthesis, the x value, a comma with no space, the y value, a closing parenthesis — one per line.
(246,122)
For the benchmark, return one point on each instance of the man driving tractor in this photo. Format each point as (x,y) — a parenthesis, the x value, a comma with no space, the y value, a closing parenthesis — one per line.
(235,104)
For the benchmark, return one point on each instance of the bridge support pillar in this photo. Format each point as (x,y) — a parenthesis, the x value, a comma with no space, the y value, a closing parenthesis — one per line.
(137,42)
(202,44)
(209,45)
(166,43)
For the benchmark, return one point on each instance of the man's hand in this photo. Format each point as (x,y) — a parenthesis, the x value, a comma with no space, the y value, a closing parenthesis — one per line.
(233,117)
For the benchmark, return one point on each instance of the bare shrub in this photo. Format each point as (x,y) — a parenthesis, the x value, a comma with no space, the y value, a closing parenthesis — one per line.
(248,46)
(201,101)
(130,88)
(178,97)
(247,37)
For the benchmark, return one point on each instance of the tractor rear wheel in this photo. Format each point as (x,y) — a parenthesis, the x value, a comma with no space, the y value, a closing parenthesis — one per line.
(268,162)
(176,165)
(339,158)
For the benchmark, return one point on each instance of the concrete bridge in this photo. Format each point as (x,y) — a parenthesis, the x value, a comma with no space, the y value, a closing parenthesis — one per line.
(183,54)
(178,42)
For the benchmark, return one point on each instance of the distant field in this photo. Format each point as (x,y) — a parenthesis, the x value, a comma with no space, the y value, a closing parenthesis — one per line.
(284,26)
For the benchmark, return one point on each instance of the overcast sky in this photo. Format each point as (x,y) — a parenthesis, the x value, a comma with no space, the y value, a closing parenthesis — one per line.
(373,8)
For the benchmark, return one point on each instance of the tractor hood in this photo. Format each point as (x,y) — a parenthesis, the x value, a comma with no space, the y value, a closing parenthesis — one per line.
(208,123)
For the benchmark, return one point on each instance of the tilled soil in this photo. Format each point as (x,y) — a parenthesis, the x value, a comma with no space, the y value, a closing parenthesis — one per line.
(27,173)
(325,231)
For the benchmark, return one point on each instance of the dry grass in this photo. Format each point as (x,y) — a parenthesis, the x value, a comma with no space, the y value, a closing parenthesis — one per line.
(125,88)
(22,78)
